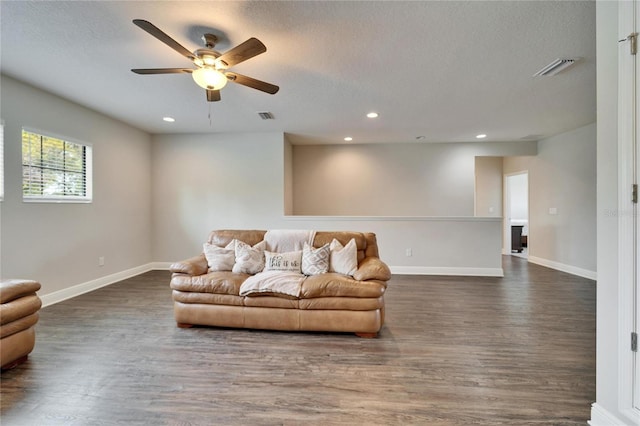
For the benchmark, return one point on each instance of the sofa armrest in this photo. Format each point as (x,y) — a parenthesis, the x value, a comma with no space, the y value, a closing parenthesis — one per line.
(372,268)
(196,265)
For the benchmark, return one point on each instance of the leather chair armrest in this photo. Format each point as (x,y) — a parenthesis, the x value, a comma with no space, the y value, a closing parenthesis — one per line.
(196,265)
(372,268)
(13,289)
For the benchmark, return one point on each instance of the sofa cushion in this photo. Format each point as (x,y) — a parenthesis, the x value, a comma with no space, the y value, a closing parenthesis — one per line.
(19,308)
(270,302)
(18,325)
(15,288)
(206,298)
(343,259)
(249,260)
(221,282)
(290,261)
(223,237)
(337,285)
(342,303)
(273,283)
(325,237)
(220,258)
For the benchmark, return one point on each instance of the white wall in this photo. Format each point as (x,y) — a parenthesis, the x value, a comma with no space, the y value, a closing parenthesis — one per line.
(519,196)
(391,179)
(59,244)
(488,188)
(562,176)
(213,181)
(288,177)
(238,181)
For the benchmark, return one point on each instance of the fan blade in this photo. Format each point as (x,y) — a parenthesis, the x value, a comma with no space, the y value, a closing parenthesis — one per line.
(244,51)
(213,95)
(160,35)
(252,82)
(162,70)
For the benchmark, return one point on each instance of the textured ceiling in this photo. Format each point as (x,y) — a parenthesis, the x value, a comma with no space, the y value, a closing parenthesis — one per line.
(445,70)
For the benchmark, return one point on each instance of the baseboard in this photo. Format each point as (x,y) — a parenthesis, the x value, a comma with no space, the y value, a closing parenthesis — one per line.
(160,266)
(77,290)
(573,270)
(453,271)
(601,417)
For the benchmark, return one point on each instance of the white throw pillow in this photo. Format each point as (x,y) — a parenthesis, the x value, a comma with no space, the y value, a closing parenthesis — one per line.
(290,261)
(315,261)
(220,258)
(344,260)
(249,260)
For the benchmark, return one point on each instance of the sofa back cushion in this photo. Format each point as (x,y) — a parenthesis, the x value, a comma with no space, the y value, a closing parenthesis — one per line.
(365,241)
(225,236)
(325,237)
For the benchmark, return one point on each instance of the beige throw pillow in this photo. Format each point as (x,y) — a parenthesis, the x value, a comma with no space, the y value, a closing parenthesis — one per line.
(249,260)
(315,261)
(344,260)
(220,258)
(290,261)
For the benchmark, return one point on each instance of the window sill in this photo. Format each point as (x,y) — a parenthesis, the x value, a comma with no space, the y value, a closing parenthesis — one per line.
(58,200)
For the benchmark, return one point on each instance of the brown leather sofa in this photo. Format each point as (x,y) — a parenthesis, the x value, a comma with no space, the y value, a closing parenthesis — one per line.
(328,302)
(18,316)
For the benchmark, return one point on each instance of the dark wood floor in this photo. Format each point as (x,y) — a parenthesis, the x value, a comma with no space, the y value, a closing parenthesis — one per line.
(454,351)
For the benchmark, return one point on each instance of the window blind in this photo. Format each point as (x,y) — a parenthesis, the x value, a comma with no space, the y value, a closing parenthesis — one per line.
(55,169)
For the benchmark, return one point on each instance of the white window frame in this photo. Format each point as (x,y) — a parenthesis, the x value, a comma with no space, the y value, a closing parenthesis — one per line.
(88,168)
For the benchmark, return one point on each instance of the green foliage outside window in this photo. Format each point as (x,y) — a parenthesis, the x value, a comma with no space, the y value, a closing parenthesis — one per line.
(52,168)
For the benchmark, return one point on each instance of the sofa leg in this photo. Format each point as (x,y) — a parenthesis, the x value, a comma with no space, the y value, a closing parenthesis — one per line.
(183,325)
(14,364)
(367,335)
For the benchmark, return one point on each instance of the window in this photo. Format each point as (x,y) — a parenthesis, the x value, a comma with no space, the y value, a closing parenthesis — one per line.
(54,169)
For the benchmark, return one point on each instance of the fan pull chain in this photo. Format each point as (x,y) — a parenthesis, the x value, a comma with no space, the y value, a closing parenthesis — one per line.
(210,122)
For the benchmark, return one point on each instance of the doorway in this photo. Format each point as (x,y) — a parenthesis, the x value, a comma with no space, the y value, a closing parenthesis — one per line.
(516,232)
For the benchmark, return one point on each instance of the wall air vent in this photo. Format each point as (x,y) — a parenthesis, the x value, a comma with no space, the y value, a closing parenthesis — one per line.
(555,67)
(266,115)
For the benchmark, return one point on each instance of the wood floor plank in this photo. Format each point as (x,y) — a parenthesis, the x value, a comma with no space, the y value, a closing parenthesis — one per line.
(518,350)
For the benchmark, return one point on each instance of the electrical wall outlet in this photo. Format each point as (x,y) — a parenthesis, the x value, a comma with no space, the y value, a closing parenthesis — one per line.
(101,261)
(553,210)
(408,252)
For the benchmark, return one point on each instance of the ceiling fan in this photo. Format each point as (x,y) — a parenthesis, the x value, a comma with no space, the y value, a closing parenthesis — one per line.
(212,67)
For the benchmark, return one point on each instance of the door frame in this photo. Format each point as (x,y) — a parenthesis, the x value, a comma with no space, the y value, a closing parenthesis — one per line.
(506,217)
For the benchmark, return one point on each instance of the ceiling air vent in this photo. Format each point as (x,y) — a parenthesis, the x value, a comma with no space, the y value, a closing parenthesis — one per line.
(555,67)
(266,115)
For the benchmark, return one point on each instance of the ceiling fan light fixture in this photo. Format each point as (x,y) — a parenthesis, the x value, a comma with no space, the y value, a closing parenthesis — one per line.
(209,78)
(209,60)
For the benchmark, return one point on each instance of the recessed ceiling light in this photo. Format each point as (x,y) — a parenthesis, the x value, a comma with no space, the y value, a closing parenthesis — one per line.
(481,136)
(348,139)
(372,115)
(169,119)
